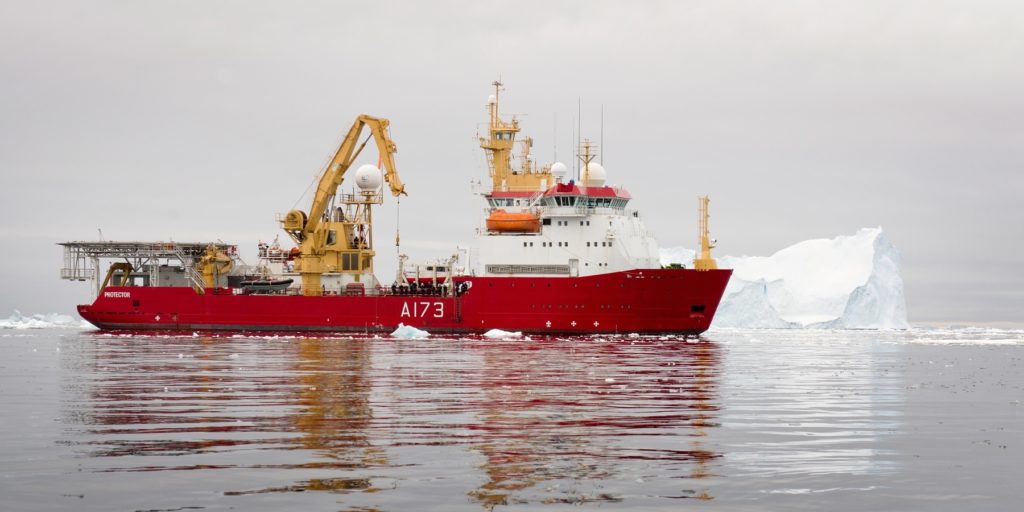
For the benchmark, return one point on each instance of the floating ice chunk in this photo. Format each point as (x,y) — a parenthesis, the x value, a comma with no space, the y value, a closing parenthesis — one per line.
(500,334)
(409,332)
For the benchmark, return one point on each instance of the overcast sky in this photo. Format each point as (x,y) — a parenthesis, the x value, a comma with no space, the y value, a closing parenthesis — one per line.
(202,120)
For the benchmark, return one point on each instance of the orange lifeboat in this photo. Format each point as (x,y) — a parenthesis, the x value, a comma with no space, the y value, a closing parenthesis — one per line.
(505,222)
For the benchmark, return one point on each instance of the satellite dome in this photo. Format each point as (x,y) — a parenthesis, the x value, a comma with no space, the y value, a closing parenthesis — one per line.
(559,170)
(594,174)
(492,99)
(368,178)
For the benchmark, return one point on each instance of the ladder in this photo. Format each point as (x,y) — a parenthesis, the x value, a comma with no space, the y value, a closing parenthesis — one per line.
(191,273)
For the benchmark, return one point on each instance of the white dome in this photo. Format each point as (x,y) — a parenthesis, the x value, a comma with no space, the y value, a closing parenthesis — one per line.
(559,171)
(492,99)
(368,177)
(594,175)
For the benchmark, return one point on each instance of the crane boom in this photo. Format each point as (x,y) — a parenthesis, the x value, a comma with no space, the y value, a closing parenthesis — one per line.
(322,239)
(334,173)
(300,225)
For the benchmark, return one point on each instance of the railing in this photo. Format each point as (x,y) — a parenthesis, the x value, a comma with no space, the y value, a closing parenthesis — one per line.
(77,274)
(191,273)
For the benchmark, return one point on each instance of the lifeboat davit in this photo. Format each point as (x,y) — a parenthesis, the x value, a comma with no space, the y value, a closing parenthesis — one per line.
(505,222)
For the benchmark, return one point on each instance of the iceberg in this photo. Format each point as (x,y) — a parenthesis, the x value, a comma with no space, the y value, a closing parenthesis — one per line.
(846,282)
(40,321)
(500,334)
(409,332)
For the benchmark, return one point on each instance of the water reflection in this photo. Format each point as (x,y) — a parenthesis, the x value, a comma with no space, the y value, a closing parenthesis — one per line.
(549,421)
(814,407)
(564,412)
(746,420)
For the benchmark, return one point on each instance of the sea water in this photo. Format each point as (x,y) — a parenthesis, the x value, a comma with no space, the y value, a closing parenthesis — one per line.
(737,420)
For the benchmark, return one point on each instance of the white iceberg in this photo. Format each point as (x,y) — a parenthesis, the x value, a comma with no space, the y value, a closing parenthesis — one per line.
(40,321)
(409,332)
(850,282)
(500,334)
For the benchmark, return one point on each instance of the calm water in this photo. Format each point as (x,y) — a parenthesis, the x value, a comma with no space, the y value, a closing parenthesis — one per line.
(740,420)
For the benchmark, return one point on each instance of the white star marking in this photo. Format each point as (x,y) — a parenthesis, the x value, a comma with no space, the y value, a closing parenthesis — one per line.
(573,323)
(596,323)
(548,323)
(158,318)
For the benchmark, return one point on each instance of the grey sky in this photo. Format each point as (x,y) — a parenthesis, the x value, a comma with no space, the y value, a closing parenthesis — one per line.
(200,120)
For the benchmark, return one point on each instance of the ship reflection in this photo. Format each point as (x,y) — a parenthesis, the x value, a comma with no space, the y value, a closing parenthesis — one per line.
(335,414)
(562,421)
(559,415)
(201,403)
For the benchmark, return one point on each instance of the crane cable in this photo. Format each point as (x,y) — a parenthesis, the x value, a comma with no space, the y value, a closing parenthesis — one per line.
(319,175)
(397,214)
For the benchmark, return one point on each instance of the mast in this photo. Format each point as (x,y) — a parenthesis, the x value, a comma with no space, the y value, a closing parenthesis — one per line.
(499,143)
(585,156)
(705,261)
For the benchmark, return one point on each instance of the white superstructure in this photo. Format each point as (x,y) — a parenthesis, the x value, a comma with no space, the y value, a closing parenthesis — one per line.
(541,221)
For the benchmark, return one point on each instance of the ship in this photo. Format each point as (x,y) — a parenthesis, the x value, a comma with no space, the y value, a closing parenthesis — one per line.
(559,252)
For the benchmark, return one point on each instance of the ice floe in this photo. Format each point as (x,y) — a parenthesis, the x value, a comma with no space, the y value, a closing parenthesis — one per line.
(409,332)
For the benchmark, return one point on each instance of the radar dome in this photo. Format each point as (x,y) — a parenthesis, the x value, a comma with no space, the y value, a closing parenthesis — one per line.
(559,170)
(594,174)
(492,99)
(368,178)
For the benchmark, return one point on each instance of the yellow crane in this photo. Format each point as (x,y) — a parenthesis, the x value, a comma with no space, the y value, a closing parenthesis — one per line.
(331,241)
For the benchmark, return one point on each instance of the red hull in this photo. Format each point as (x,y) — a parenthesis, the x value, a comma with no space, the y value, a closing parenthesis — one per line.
(678,301)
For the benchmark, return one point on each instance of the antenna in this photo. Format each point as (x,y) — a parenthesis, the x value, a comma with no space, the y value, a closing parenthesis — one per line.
(555,139)
(574,144)
(603,149)
(579,129)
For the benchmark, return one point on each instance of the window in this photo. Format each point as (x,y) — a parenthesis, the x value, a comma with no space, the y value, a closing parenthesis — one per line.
(349,261)
(697,308)
(546,222)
